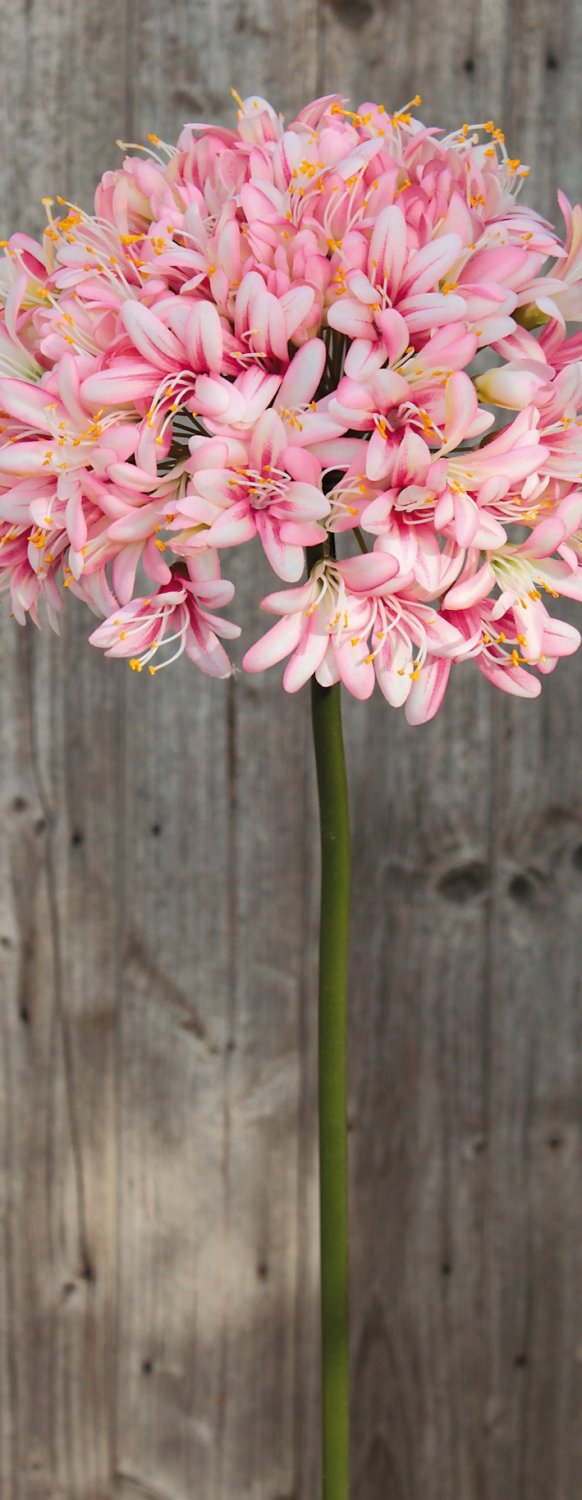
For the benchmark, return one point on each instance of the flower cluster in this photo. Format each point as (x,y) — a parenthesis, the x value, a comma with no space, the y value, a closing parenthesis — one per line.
(346,328)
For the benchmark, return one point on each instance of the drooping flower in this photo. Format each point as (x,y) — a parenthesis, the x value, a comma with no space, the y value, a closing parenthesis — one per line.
(354,622)
(181,614)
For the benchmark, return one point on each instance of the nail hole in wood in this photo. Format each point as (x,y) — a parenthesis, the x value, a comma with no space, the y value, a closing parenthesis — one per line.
(87,1269)
(522,889)
(464,882)
(77,837)
(353,13)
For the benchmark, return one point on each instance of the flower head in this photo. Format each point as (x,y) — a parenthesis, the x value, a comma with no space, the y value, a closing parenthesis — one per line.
(269,333)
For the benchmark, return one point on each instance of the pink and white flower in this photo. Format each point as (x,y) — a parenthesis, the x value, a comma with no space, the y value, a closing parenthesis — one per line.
(182,615)
(271,331)
(349,623)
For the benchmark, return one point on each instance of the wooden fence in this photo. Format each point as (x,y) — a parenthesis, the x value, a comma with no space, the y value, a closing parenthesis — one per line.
(158,892)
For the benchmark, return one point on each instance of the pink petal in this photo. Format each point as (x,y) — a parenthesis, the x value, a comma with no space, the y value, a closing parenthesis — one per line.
(303,375)
(499,264)
(401,542)
(289,601)
(268,320)
(489,534)
(151,336)
(204,571)
(356,673)
(296,305)
(390,389)
(411,460)
(427,693)
(388,248)
(362,288)
(305,500)
(23,458)
(131,477)
(395,334)
(137,524)
(69,387)
(369,573)
(203,337)
(278,642)
(514,680)
(286,560)
(234,526)
(267,441)
(429,560)
(126,381)
(365,357)
(560,638)
(460,407)
(513,386)
(431,310)
(378,456)
(471,589)
(203,648)
(306,659)
(393,673)
(466,518)
(217,398)
(428,266)
(153,563)
(124,569)
(27,403)
(327,672)
(302,533)
(545,537)
(349,316)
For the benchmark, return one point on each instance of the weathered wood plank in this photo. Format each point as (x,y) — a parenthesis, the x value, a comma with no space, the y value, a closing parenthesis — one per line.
(214,1298)
(62,82)
(466,1159)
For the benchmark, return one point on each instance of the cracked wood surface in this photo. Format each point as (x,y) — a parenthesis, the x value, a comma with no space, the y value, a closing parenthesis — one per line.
(158,882)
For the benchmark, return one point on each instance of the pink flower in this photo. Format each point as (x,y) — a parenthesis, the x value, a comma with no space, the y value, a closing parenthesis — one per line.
(181,614)
(253,493)
(346,624)
(505,643)
(269,331)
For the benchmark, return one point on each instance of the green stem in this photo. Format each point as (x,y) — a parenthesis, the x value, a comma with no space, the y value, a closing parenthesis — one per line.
(333,1006)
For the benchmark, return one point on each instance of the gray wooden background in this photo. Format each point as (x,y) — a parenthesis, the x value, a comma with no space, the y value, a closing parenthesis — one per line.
(158,893)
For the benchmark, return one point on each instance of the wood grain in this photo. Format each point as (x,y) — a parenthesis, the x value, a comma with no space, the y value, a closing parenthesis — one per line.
(158,891)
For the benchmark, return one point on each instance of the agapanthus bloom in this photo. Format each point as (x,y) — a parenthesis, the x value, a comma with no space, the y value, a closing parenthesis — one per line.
(342,335)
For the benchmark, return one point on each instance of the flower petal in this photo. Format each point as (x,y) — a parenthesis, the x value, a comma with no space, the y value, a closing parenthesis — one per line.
(427,693)
(151,337)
